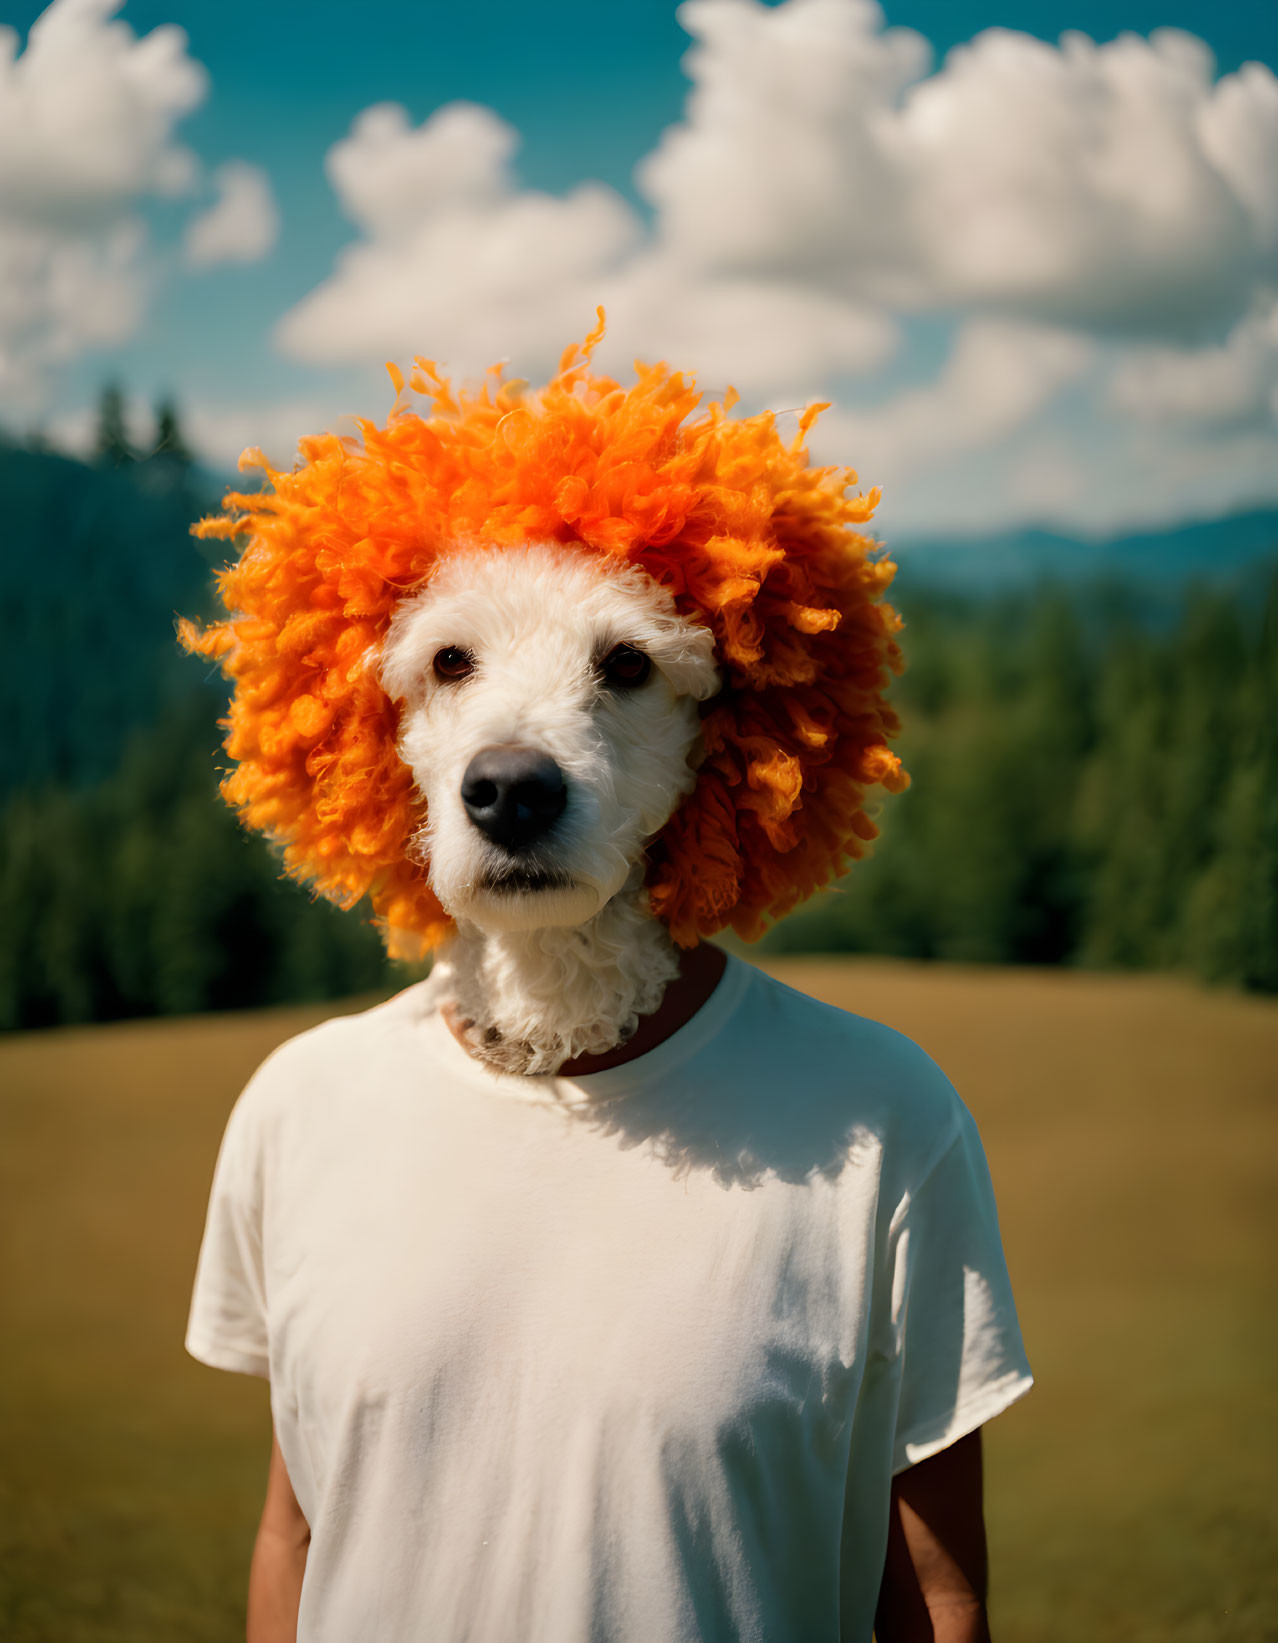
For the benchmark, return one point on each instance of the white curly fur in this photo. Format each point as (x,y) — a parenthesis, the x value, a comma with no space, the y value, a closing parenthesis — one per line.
(540,976)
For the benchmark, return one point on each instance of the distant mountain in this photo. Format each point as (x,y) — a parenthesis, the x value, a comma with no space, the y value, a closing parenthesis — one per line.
(1236,553)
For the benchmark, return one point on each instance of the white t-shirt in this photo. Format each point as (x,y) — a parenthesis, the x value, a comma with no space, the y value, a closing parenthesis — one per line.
(628,1358)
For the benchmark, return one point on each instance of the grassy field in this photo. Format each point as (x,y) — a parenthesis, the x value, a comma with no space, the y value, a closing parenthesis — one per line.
(1132,1128)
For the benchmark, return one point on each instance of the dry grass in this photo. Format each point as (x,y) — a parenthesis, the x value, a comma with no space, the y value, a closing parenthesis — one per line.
(1132,1128)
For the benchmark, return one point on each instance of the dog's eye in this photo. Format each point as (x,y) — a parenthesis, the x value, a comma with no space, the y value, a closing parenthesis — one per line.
(625,667)
(453,663)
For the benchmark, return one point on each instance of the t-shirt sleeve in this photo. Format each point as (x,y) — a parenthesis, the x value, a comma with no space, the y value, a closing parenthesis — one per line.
(227,1327)
(961,1356)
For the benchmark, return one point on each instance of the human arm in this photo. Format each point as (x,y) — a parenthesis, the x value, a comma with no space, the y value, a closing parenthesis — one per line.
(279,1559)
(960,1362)
(935,1571)
(229,1327)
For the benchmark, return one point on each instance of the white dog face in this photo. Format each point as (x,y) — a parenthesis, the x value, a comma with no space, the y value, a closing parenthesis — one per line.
(550,715)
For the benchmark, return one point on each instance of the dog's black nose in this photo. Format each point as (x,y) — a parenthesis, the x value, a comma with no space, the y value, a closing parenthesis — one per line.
(513,794)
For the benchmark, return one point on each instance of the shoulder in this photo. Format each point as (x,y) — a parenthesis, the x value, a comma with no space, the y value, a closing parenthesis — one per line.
(886,1083)
(334,1054)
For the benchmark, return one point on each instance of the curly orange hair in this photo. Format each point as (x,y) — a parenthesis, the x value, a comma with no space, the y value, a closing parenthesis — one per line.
(751,541)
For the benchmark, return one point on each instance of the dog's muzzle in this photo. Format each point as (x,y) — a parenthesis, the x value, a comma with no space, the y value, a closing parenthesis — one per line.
(513,795)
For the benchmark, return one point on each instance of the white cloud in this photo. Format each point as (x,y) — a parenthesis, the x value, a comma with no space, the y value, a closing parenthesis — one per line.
(220,433)
(1045,484)
(241,225)
(458,260)
(1152,435)
(1098,223)
(60,294)
(1074,184)
(1150,478)
(87,112)
(74,431)
(1083,479)
(773,340)
(823,185)
(1238,127)
(392,178)
(779,166)
(1233,384)
(997,378)
(1109,186)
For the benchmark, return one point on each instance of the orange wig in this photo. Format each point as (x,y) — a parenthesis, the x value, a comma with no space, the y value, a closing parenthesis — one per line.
(751,541)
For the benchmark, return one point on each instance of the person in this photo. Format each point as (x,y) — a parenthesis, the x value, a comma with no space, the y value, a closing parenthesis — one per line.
(609,1290)
(506,1390)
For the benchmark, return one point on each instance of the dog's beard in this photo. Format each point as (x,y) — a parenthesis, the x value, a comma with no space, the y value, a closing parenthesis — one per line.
(527,1000)
(517,897)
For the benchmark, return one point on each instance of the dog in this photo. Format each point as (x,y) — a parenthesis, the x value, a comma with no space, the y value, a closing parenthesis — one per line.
(563,680)
(551,722)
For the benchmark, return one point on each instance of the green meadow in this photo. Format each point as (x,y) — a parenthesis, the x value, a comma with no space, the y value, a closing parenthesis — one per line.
(1132,1127)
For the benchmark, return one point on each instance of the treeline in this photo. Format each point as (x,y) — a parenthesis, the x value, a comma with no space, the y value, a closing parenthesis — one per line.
(126,887)
(1091,786)
(1085,792)
(97,559)
(142,895)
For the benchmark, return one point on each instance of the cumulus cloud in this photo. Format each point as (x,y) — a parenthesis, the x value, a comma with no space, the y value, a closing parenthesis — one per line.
(779,166)
(456,257)
(1078,185)
(997,378)
(393,179)
(774,340)
(821,182)
(87,112)
(1083,476)
(241,225)
(222,432)
(1097,484)
(826,183)
(1233,384)
(1114,187)
(60,294)
(1096,224)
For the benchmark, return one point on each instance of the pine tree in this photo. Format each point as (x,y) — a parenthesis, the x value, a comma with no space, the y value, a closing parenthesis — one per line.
(113,447)
(1229,929)
(170,445)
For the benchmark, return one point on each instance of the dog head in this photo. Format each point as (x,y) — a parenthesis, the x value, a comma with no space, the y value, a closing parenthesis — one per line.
(428,612)
(550,709)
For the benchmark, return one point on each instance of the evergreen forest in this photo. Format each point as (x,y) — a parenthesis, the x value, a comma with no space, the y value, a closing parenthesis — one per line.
(1090,786)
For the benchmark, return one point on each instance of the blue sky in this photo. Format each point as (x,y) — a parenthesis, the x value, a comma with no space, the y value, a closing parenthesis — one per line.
(587,93)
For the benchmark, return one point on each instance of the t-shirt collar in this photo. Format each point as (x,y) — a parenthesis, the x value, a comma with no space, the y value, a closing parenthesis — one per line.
(586,1089)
